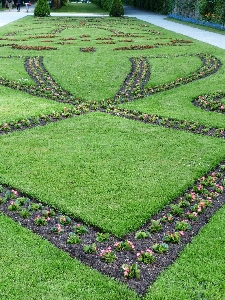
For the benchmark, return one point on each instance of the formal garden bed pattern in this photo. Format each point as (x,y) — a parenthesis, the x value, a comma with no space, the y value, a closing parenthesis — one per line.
(140,256)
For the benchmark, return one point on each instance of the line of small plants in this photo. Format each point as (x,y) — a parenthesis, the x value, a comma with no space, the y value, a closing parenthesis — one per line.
(136,80)
(42,119)
(46,87)
(155,45)
(117,33)
(12,33)
(137,253)
(30,37)
(210,66)
(88,23)
(87,49)
(211,102)
(107,106)
(190,126)
(38,48)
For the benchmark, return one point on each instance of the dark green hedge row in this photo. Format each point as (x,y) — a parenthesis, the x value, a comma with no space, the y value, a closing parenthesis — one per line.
(210,10)
(159,6)
(105,4)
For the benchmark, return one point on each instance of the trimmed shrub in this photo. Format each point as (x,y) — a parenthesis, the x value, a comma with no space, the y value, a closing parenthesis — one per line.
(107,4)
(116,9)
(42,9)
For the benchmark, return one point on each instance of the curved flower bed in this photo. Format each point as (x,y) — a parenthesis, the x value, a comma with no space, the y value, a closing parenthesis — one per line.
(133,88)
(142,47)
(210,65)
(211,102)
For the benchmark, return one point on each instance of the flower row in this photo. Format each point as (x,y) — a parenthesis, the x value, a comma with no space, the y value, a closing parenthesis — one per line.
(212,102)
(182,215)
(194,127)
(210,66)
(39,48)
(155,45)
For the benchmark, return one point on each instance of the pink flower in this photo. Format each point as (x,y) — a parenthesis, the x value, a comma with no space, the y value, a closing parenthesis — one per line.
(131,244)
(15,193)
(199,187)
(181,233)
(193,196)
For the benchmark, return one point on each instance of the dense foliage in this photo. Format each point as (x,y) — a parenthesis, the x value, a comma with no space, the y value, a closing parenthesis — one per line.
(105,4)
(208,10)
(116,9)
(42,9)
(160,6)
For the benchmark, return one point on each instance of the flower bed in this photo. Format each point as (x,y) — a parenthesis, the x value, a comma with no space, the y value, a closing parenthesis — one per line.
(136,258)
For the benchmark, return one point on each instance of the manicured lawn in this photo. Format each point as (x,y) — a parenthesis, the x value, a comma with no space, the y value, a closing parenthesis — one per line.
(79,7)
(105,160)
(110,172)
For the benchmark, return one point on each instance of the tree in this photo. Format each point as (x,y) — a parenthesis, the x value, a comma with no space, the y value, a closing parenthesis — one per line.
(3,3)
(42,9)
(116,9)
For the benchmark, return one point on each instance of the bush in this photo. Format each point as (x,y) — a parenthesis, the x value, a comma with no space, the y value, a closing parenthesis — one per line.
(159,6)
(107,4)
(42,9)
(116,9)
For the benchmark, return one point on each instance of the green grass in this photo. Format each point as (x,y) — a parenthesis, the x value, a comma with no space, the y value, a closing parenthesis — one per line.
(81,8)
(16,105)
(106,160)
(111,172)
(34,269)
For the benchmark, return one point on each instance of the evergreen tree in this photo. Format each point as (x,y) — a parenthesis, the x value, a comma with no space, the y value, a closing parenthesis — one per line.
(116,9)
(42,9)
